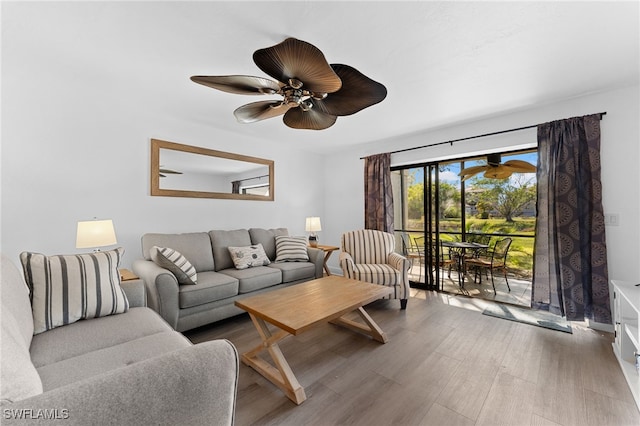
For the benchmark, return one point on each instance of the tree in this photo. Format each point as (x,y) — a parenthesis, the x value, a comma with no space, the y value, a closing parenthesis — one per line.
(415,201)
(507,196)
(449,195)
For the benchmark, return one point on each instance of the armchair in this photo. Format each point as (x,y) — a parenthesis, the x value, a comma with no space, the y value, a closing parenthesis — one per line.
(368,255)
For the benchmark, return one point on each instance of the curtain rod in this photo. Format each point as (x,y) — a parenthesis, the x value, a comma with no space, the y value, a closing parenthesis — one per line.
(472,137)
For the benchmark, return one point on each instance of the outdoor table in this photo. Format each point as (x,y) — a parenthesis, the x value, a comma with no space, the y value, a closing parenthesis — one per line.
(463,247)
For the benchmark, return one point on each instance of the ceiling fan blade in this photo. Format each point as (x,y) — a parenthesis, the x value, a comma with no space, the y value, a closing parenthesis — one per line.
(262,110)
(469,172)
(239,84)
(297,59)
(169,171)
(357,93)
(520,166)
(297,118)
(498,172)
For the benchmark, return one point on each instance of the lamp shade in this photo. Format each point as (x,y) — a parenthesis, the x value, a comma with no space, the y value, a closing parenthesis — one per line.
(313,224)
(95,233)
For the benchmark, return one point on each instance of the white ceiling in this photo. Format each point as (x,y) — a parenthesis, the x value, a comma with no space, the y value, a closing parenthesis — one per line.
(442,62)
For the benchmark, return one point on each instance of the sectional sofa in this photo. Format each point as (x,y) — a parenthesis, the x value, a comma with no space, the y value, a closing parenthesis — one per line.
(220,282)
(125,367)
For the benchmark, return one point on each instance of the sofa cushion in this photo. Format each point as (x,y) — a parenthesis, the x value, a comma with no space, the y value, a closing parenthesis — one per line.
(195,246)
(110,358)
(220,242)
(211,286)
(14,294)
(249,256)
(96,333)
(295,271)
(253,279)
(377,273)
(67,288)
(267,237)
(291,249)
(174,261)
(18,376)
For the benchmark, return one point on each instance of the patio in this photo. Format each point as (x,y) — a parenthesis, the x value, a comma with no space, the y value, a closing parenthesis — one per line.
(519,295)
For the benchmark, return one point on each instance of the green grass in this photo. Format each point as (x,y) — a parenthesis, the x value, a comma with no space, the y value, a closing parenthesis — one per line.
(520,258)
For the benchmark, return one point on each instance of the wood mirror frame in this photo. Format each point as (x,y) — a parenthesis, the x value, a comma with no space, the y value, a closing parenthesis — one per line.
(234,160)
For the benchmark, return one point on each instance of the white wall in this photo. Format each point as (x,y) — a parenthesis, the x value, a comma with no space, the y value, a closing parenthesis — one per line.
(70,152)
(620,151)
(51,178)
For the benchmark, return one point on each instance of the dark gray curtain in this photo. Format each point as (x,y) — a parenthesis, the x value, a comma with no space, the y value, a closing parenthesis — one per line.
(570,268)
(378,196)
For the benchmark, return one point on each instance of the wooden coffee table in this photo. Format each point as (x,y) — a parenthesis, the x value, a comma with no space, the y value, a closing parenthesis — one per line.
(296,309)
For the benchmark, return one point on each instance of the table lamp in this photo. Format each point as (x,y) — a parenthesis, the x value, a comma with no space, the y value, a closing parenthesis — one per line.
(95,234)
(313,225)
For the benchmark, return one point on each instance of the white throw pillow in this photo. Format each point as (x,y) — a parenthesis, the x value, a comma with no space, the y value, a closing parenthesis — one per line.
(249,256)
(291,249)
(174,261)
(68,288)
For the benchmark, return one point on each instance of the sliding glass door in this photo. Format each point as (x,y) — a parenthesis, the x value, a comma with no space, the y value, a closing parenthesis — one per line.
(433,205)
(416,202)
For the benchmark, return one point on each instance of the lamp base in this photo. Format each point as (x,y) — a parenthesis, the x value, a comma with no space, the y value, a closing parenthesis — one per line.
(313,240)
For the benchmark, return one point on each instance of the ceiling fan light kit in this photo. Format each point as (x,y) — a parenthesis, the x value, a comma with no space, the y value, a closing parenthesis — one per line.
(314,93)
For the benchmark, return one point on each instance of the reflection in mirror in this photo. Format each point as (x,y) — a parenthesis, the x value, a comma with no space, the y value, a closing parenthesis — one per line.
(179,170)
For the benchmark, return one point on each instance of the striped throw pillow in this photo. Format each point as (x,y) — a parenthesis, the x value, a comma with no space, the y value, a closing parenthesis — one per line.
(68,288)
(175,262)
(291,249)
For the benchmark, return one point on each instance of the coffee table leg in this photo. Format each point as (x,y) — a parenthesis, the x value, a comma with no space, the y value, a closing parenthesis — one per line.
(372,329)
(281,375)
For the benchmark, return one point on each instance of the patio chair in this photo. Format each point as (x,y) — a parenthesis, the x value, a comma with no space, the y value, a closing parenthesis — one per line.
(478,239)
(444,259)
(368,255)
(410,252)
(495,260)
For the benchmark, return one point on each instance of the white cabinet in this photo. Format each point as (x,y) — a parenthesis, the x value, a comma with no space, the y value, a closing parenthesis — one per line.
(626,316)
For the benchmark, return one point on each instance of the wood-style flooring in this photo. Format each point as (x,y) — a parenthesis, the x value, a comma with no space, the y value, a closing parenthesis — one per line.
(445,364)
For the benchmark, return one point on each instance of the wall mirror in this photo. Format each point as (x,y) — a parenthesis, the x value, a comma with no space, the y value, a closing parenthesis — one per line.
(179,170)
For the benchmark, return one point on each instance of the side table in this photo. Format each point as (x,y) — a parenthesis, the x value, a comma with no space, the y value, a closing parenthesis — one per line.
(134,288)
(327,254)
(127,275)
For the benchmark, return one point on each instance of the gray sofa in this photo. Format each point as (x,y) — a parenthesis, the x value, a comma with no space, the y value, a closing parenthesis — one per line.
(124,369)
(219,283)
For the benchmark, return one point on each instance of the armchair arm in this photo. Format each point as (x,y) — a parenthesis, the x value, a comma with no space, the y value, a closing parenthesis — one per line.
(193,385)
(162,289)
(347,264)
(399,262)
(316,256)
(403,265)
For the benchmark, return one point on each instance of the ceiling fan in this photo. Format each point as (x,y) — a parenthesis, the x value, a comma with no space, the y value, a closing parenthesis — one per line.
(494,169)
(314,93)
(163,172)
